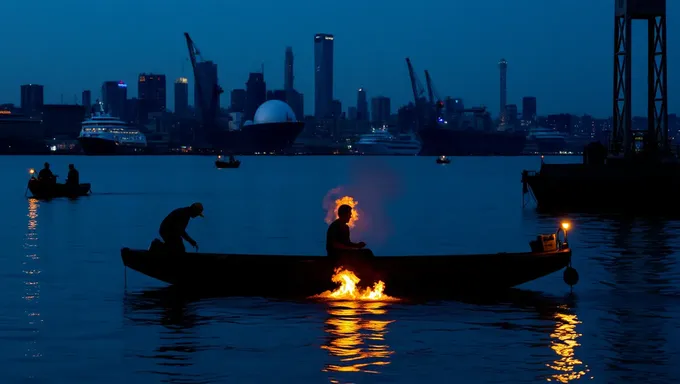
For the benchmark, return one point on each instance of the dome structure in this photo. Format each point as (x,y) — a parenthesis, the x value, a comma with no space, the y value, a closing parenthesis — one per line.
(274,111)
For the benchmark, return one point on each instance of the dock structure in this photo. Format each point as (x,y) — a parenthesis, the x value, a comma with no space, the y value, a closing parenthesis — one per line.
(656,138)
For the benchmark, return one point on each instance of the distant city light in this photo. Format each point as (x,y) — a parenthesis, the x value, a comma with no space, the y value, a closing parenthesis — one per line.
(122,84)
(182,80)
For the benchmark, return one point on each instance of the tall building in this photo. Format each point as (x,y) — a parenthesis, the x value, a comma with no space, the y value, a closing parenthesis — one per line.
(323,75)
(114,97)
(206,76)
(503,65)
(511,113)
(381,109)
(182,97)
(256,94)
(288,75)
(351,113)
(296,100)
(87,100)
(529,108)
(238,100)
(362,105)
(152,94)
(32,99)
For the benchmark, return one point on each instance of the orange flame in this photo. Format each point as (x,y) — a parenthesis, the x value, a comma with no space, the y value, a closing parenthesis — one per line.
(348,289)
(333,212)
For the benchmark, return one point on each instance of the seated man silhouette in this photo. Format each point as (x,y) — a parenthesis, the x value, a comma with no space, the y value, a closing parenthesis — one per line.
(46,174)
(338,241)
(73,177)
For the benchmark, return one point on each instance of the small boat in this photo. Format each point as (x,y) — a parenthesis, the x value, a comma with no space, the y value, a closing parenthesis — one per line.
(304,276)
(42,190)
(220,163)
(443,160)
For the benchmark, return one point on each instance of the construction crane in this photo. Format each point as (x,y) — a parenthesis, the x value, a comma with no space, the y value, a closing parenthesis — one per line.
(418,98)
(208,108)
(433,95)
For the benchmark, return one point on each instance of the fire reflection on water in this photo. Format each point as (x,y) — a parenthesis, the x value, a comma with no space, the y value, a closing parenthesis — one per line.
(567,366)
(31,282)
(357,339)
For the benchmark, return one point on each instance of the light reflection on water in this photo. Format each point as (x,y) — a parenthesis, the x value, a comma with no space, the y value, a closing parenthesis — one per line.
(31,270)
(356,337)
(564,343)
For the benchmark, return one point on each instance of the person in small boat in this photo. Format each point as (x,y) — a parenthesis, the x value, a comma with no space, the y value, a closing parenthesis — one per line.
(73,177)
(46,174)
(231,159)
(174,227)
(338,241)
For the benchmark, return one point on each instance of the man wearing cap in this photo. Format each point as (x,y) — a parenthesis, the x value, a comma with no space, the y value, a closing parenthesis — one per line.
(174,227)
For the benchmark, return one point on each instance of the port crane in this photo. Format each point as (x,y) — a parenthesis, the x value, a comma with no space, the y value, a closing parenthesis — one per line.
(418,96)
(208,108)
(432,94)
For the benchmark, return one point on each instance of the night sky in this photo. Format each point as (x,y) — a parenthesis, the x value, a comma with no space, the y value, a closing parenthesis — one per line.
(559,51)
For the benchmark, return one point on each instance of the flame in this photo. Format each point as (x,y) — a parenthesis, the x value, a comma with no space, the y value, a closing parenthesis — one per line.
(348,289)
(333,210)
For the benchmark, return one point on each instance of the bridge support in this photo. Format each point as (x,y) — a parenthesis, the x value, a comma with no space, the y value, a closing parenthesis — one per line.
(656,136)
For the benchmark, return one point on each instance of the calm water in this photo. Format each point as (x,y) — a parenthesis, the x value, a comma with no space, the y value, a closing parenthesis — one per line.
(68,317)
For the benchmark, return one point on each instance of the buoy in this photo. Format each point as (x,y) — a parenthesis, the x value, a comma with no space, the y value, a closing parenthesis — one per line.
(570,276)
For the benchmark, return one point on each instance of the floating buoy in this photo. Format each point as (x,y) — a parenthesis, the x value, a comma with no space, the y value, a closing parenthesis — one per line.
(570,276)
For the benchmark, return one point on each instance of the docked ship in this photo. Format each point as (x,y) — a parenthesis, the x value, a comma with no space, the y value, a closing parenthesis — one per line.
(103,134)
(470,136)
(381,142)
(546,141)
(273,129)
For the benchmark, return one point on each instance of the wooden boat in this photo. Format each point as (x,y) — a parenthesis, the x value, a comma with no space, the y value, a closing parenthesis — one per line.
(227,164)
(303,276)
(443,160)
(42,190)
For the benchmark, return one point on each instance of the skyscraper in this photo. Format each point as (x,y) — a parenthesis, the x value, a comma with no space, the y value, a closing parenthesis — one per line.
(529,108)
(381,109)
(206,74)
(288,75)
(114,97)
(256,94)
(152,94)
(182,97)
(503,65)
(87,100)
(362,105)
(323,75)
(32,99)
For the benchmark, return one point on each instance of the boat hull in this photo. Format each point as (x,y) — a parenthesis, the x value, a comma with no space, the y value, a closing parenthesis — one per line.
(99,146)
(453,142)
(227,164)
(304,276)
(637,189)
(41,190)
(258,138)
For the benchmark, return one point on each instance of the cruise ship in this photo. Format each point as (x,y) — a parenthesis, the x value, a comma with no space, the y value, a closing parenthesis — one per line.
(381,142)
(103,134)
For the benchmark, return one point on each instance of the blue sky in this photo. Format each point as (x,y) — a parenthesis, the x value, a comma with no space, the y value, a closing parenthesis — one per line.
(559,51)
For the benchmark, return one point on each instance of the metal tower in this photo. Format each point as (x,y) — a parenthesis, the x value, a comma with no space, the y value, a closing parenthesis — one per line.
(503,66)
(656,137)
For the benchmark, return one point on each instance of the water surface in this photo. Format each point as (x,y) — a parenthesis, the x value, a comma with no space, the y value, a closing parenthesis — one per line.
(68,315)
